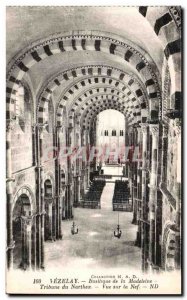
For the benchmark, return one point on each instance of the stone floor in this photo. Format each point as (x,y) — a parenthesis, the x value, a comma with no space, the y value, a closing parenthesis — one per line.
(95,245)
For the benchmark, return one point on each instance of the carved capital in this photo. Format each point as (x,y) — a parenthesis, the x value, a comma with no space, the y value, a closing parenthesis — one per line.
(178,130)
(144,128)
(59,128)
(165,131)
(10,124)
(27,220)
(130,129)
(70,128)
(139,130)
(154,129)
(41,128)
(10,246)
(34,128)
(49,200)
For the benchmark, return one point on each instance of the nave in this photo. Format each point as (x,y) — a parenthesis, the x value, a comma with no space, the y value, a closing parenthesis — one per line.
(95,247)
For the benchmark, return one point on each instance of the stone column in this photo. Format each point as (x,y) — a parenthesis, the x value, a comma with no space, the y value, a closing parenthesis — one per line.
(88,164)
(60,215)
(139,200)
(154,129)
(58,183)
(41,200)
(23,264)
(29,241)
(164,153)
(50,219)
(144,215)
(34,242)
(70,179)
(133,175)
(34,150)
(83,144)
(38,198)
(26,225)
(9,182)
(178,202)
(54,220)
(42,220)
(77,181)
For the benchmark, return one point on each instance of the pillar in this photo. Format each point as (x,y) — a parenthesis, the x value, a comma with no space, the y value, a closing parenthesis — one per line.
(70,179)
(58,184)
(50,219)
(178,203)
(139,200)
(42,220)
(26,225)
(164,153)
(87,138)
(154,129)
(9,182)
(60,216)
(83,171)
(133,175)
(144,214)
(29,241)
(34,243)
(79,163)
(41,212)
(34,150)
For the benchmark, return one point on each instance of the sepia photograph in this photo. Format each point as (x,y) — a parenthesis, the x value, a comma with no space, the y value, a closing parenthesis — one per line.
(94,114)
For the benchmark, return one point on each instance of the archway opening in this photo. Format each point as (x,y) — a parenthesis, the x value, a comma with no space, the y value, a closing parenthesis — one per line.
(110,136)
(111,164)
(63,192)
(22,232)
(48,229)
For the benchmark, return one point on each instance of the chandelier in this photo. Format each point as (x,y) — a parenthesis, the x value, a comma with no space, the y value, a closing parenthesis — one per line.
(118,232)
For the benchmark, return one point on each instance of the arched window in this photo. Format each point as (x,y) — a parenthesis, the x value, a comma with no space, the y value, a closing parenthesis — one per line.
(48,188)
(62,178)
(121,133)
(106,132)
(113,132)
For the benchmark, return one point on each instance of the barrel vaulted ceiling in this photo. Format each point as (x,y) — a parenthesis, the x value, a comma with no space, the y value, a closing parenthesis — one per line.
(85,59)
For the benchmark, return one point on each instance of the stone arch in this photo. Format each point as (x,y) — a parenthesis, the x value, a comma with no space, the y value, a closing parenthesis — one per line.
(88,121)
(103,90)
(23,213)
(49,176)
(27,190)
(96,41)
(166,23)
(168,247)
(123,89)
(114,100)
(85,74)
(95,92)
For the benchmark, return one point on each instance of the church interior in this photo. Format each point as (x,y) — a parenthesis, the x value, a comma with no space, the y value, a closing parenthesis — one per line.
(83,80)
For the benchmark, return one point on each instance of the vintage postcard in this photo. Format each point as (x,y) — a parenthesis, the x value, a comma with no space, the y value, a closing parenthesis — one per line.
(93,149)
